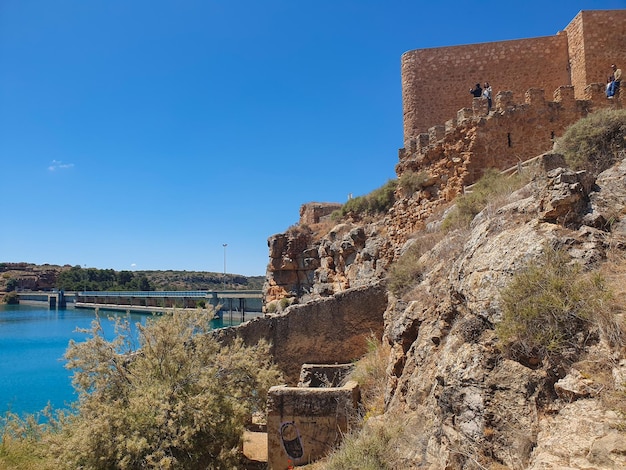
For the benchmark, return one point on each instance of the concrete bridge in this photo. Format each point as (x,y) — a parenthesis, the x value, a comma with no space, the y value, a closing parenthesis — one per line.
(239,302)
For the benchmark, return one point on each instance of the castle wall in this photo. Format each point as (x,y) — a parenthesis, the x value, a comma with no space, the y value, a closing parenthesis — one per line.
(596,40)
(436,82)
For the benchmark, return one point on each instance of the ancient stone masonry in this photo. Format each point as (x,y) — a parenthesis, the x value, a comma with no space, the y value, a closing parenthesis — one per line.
(456,154)
(436,81)
(306,422)
(453,144)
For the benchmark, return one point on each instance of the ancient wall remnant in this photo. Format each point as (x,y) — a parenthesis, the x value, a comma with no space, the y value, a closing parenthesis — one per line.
(305,423)
(314,212)
(436,81)
(334,329)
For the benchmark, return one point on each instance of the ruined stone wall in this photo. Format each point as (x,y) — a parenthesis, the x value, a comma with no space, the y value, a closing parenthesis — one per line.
(455,154)
(436,82)
(596,40)
(314,212)
(305,424)
(329,330)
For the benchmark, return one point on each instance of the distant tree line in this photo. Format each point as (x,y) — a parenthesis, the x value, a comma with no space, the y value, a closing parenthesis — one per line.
(92,279)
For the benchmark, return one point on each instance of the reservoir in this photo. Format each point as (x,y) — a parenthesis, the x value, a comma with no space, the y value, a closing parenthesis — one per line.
(33,341)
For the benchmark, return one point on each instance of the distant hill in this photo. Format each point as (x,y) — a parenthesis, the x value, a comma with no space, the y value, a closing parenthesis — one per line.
(47,277)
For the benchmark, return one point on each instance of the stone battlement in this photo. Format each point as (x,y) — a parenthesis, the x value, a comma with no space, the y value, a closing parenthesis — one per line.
(512,132)
(436,81)
(455,154)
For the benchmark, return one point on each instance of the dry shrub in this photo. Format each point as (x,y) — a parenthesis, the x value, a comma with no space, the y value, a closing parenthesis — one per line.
(552,307)
(407,270)
(491,189)
(372,448)
(412,181)
(370,372)
(595,142)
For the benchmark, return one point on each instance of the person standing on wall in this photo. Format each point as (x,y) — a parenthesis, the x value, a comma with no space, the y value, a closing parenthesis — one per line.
(477,91)
(487,94)
(617,79)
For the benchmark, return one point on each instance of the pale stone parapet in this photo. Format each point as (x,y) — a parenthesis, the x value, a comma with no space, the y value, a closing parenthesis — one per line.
(595,91)
(463,115)
(479,106)
(504,100)
(564,95)
(535,97)
(436,133)
(423,141)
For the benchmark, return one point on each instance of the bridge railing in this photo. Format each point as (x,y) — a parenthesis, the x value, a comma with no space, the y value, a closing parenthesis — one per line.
(186,294)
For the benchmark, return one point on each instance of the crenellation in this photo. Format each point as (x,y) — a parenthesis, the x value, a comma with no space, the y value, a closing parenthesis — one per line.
(576,56)
(535,97)
(436,133)
(564,94)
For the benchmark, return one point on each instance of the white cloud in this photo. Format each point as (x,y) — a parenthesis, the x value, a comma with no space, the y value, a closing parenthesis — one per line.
(59,165)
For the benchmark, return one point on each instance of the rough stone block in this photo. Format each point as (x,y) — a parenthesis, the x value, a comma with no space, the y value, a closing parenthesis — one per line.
(304,424)
(324,375)
(564,94)
(422,142)
(504,100)
(535,97)
(436,133)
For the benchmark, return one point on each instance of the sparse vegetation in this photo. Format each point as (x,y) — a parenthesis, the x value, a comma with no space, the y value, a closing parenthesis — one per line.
(594,143)
(407,270)
(378,201)
(491,188)
(370,372)
(180,401)
(371,449)
(369,444)
(552,308)
(412,181)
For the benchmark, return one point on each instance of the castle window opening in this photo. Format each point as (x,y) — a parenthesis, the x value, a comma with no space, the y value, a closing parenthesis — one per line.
(508,137)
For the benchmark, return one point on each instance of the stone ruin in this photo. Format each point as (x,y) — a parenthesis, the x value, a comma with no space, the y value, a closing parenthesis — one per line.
(306,422)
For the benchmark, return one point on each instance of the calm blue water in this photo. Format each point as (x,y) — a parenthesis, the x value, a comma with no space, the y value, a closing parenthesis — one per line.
(33,341)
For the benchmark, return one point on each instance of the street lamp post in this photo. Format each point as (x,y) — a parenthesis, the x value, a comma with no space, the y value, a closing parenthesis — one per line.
(224,278)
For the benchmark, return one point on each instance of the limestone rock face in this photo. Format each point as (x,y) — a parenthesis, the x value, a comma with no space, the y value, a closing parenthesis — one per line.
(467,405)
(349,256)
(445,369)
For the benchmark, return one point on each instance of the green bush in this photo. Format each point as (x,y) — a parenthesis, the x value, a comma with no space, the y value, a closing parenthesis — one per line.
(11,298)
(594,142)
(550,308)
(406,271)
(378,201)
(180,401)
(412,181)
(491,186)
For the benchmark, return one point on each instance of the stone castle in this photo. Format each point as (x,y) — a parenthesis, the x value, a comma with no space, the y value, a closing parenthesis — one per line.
(435,82)
(540,87)
(453,144)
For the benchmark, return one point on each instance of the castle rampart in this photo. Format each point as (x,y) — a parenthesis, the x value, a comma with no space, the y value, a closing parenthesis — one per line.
(436,81)
(455,155)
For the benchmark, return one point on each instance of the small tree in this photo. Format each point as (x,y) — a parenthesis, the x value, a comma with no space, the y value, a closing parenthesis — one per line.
(180,401)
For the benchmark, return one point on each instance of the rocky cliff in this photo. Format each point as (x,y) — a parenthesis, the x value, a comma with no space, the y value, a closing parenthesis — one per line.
(460,398)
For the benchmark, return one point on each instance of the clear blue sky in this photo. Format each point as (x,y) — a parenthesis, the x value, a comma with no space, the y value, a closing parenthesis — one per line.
(145,134)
